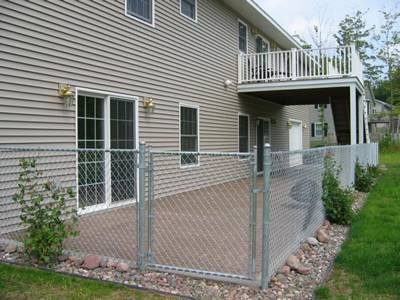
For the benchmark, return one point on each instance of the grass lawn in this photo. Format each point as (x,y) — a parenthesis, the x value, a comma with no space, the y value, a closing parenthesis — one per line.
(28,283)
(368,267)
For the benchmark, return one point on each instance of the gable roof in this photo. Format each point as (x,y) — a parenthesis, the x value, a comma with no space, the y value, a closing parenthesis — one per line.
(250,10)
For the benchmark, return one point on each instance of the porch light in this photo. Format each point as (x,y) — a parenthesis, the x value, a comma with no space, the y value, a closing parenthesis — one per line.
(227,83)
(289,124)
(65,92)
(148,104)
(305,125)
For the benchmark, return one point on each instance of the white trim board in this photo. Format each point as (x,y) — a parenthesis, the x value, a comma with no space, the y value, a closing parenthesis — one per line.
(300,84)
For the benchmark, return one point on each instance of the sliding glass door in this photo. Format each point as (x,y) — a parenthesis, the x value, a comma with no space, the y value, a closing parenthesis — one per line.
(106,178)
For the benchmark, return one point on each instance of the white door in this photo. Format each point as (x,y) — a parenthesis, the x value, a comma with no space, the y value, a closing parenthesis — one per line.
(295,142)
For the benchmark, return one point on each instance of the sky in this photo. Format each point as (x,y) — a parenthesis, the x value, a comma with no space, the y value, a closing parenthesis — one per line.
(299,16)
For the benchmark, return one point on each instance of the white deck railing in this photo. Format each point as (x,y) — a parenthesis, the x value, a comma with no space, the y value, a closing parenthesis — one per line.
(300,64)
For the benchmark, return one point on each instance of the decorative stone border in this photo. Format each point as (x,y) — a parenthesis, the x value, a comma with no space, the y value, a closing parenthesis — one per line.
(305,270)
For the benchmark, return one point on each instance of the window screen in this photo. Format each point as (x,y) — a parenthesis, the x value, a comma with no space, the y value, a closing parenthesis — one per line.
(188,8)
(141,9)
(242,37)
(243,134)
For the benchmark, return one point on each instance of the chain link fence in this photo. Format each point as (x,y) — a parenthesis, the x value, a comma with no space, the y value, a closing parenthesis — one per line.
(206,214)
(104,185)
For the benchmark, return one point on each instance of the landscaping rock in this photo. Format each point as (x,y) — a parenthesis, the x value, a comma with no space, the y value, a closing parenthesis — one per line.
(122,267)
(91,262)
(103,262)
(78,262)
(285,270)
(304,270)
(11,247)
(327,224)
(72,258)
(293,262)
(312,241)
(111,264)
(62,258)
(322,236)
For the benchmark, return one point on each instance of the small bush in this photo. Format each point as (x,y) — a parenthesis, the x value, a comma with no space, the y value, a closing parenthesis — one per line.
(337,201)
(364,177)
(44,211)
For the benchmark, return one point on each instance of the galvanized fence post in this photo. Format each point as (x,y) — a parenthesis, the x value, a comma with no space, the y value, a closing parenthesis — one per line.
(253,212)
(150,210)
(266,210)
(141,203)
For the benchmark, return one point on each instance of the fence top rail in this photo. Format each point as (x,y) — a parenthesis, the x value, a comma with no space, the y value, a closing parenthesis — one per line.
(40,149)
(235,154)
(320,149)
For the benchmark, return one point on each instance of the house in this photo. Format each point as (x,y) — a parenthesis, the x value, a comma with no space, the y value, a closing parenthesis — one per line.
(378,116)
(211,76)
(188,75)
(322,125)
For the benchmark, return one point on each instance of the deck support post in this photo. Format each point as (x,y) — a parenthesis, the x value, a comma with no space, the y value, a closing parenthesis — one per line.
(361,100)
(353,115)
(266,210)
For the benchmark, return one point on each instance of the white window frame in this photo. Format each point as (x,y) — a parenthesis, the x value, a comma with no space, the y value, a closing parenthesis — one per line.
(315,130)
(153,15)
(248,131)
(107,142)
(197,107)
(195,11)
(266,41)
(247,36)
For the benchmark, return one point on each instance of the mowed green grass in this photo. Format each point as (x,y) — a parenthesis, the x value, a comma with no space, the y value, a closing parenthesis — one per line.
(28,283)
(368,267)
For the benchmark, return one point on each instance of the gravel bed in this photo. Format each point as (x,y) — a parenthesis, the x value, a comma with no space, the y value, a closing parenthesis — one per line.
(313,258)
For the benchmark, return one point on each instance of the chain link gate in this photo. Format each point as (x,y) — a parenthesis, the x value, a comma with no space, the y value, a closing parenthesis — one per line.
(202,214)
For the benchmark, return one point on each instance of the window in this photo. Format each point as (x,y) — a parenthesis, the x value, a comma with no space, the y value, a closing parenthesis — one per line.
(319,130)
(189,9)
(141,10)
(243,133)
(262,45)
(189,134)
(103,177)
(242,37)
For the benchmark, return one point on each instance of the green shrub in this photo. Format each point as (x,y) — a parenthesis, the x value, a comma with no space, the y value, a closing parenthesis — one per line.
(45,213)
(337,201)
(363,178)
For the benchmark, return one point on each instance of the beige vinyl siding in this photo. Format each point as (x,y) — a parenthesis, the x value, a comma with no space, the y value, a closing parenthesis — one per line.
(92,44)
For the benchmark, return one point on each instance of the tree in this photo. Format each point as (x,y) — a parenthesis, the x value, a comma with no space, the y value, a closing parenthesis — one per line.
(388,39)
(353,30)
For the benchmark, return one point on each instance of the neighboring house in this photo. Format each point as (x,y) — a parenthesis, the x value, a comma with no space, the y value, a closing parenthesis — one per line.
(378,116)
(189,75)
(322,131)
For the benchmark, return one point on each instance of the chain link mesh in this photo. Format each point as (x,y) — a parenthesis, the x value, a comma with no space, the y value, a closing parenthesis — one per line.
(105,188)
(201,212)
